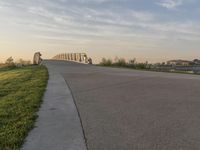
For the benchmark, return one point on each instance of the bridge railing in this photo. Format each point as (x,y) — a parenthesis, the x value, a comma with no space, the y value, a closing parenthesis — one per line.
(79,57)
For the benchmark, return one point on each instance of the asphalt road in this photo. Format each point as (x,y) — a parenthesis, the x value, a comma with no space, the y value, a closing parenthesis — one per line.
(125,109)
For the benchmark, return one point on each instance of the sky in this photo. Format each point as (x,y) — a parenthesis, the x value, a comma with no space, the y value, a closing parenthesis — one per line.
(148,30)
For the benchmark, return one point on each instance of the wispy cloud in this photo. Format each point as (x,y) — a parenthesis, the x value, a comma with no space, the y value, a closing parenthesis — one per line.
(91,22)
(96,23)
(170,4)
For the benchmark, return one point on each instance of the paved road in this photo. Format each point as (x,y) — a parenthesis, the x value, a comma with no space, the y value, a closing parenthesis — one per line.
(124,109)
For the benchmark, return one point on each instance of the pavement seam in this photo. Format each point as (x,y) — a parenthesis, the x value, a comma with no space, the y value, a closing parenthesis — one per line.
(84,135)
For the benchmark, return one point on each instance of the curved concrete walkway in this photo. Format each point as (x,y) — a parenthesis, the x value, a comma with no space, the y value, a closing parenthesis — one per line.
(58,126)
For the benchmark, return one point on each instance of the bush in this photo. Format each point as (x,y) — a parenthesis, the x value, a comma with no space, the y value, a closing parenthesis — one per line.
(106,62)
(9,61)
(131,63)
(141,66)
(22,62)
(121,62)
(11,64)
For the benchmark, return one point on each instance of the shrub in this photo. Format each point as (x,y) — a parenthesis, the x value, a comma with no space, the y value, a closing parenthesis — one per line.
(121,62)
(106,62)
(141,66)
(22,62)
(131,63)
(9,61)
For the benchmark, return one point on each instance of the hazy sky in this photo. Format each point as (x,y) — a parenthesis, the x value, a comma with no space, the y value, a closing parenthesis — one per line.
(153,30)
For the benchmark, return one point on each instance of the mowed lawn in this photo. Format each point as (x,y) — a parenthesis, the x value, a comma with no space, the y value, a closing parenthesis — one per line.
(21,92)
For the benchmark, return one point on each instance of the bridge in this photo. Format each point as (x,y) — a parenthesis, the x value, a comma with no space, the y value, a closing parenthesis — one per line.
(89,107)
(79,57)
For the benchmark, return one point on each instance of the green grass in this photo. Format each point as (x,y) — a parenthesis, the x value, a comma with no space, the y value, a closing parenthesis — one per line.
(21,92)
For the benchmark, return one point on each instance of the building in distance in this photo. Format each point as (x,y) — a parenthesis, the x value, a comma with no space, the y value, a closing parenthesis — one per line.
(180,62)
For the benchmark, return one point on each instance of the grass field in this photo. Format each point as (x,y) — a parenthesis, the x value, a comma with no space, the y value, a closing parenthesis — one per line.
(21,92)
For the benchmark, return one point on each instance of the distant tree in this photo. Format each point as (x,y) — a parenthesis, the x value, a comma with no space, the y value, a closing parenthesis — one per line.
(163,63)
(132,61)
(116,59)
(103,61)
(22,62)
(9,61)
(141,66)
(120,62)
(106,62)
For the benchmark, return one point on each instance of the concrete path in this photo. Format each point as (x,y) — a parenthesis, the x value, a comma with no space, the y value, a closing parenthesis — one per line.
(58,126)
(124,109)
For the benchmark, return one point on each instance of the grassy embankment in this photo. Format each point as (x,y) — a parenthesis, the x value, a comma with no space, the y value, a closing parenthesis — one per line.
(21,92)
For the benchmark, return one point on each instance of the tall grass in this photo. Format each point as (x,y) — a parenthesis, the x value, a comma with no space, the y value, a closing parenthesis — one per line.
(121,62)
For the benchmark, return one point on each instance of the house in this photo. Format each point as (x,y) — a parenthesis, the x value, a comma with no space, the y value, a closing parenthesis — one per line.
(196,61)
(180,62)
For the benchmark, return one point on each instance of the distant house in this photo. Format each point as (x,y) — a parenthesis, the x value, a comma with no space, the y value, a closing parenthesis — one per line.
(196,61)
(180,62)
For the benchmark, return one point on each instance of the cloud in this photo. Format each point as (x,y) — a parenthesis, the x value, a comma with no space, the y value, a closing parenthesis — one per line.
(51,19)
(170,4)
(72,21)
(143,15)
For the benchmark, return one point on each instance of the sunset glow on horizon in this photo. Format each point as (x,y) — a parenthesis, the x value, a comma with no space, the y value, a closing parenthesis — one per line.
(154,30)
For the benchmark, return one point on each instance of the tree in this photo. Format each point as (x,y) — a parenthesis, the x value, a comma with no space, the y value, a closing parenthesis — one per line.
(106,62)
(132,61)
(9,61)
(22,62)
(120,62)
